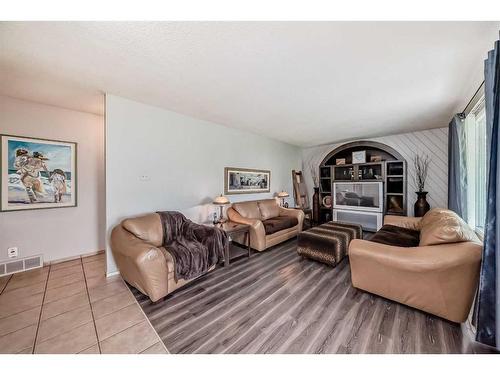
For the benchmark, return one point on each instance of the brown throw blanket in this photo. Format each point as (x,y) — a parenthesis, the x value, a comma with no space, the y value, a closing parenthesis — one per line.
(194,247)
(396,236)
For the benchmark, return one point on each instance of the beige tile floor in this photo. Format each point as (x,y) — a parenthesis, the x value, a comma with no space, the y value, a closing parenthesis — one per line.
(71,307)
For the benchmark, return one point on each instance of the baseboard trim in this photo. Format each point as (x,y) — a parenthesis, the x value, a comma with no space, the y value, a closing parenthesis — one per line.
(61,260)
(114,273)
(86,255)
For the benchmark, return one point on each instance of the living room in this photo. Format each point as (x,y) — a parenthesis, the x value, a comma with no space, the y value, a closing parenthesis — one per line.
(249,187)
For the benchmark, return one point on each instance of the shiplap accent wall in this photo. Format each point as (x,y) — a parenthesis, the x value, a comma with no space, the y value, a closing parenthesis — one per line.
(432,142)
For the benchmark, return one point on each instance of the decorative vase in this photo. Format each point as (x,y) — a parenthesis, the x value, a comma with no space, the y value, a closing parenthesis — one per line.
(316,205)
(421,205)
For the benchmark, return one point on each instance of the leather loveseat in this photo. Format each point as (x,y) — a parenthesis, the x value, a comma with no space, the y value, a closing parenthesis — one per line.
(437,271)
(142,260)
(269,223)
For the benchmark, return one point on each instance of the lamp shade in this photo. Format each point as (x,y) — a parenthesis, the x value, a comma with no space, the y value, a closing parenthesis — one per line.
(283,194)
(221,200)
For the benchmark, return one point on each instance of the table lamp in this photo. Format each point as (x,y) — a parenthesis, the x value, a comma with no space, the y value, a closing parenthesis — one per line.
(283,194)
(221,201)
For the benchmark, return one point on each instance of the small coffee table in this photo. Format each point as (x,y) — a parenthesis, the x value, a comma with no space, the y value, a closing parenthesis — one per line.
(232,228)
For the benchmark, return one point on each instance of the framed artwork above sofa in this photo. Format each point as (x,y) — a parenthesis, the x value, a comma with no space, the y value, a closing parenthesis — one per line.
(246,181)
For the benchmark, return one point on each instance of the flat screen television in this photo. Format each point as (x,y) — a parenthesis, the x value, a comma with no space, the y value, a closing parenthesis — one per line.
(362,196)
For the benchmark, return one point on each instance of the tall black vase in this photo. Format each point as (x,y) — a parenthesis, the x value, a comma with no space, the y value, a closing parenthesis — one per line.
(316,205)
(421,205)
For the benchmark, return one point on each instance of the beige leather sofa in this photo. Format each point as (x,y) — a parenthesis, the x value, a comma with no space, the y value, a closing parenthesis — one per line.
(440,276)
(269,223)
(143,262)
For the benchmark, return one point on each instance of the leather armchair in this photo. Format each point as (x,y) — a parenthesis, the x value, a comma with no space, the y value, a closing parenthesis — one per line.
(136,244)
(440,279)
(141,264)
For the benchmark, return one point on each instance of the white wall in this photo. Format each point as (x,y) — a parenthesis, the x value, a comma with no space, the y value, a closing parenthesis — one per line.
(184,159)
(432,142)
(62,232)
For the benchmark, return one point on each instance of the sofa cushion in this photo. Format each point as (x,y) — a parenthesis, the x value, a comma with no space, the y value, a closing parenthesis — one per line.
(249,210)
(440,226)
(148,228)
(396,236)
(279,223)
(268,208)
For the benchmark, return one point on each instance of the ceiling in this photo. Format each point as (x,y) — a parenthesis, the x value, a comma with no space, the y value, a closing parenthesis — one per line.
(305,83)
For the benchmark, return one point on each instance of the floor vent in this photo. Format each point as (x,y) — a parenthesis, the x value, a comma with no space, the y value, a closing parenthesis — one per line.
(20,265)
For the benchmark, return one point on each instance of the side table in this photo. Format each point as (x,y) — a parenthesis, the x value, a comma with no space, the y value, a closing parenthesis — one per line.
(232,228)
(307,215)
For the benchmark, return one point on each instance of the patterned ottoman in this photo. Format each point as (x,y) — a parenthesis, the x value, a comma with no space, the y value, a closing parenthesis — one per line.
(328,243)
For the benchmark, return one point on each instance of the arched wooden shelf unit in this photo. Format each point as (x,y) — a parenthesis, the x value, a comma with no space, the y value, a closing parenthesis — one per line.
(345,150)
(382,163)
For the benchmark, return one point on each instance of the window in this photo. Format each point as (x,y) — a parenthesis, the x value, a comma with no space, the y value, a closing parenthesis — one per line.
(476,166)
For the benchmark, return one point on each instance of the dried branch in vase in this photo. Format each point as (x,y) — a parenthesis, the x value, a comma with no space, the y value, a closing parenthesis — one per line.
(314,174)
(421,165)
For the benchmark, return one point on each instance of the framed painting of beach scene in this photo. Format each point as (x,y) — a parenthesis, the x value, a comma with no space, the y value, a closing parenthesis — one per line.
(246,181)
(37,173)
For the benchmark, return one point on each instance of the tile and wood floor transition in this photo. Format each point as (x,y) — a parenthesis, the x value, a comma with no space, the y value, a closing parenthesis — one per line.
(275,302)
(71,307)
(278,302)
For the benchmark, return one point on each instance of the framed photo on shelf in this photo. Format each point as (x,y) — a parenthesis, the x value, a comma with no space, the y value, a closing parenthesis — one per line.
(358,157)
(340,161)
(246,181)
(37,173)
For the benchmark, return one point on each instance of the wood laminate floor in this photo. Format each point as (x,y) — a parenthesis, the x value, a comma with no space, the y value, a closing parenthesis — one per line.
(278,302)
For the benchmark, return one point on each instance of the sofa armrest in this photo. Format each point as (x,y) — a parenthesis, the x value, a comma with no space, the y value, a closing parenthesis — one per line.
(403,221)
(141,264)
(298,214)
(257,231)
(439,279)
(417,259)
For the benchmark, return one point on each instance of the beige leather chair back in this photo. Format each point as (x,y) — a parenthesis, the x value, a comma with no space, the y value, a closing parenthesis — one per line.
(249,210)
(269,208)
(147,228)
(261,209)
(441,226)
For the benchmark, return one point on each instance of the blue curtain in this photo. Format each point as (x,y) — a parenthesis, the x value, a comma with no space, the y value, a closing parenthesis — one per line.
(488,310)
(457,166)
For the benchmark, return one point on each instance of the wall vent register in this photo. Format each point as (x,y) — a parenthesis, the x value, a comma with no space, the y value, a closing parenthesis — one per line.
(20,265)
